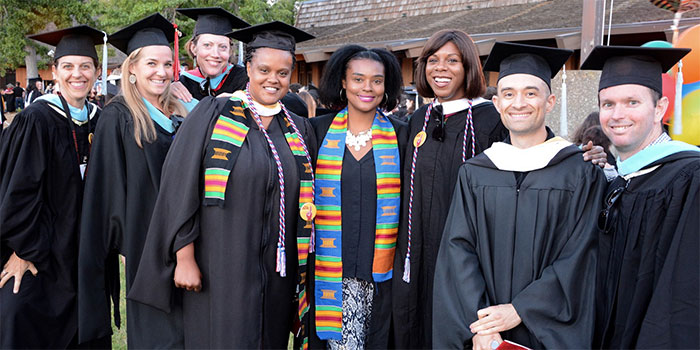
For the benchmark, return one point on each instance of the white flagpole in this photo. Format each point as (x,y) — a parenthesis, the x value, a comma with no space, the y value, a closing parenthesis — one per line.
(563,127)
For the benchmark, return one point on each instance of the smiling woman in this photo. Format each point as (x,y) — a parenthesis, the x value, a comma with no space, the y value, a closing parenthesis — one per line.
(360,152)
(227,230)
(134,135)
(43,157)
(211,50)
(75,76)
(455,127)
(269,71)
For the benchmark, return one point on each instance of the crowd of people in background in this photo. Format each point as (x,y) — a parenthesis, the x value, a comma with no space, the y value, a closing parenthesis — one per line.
(15,98)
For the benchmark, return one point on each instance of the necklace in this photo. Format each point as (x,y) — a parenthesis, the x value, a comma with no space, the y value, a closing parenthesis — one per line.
(358,141)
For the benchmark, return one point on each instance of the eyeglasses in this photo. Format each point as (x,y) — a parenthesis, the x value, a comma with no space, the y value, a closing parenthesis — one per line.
(439,131)
(604,219)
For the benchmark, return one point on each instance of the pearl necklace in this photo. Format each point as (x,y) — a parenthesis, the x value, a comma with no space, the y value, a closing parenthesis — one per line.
(358,141)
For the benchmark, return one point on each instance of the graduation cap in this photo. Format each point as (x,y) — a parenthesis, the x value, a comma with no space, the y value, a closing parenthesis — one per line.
(213,20)
(152,30)
(276,35)
(542,62)
(79,41)
(632,65)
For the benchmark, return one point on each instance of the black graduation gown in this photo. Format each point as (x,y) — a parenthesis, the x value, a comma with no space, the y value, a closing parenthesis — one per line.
(358,250)
(41,194)
(10,102)
(120,194)
(648,276)
(243,303)
(33,95)
(531,245)
(295,104)
(434,182)
(236,80)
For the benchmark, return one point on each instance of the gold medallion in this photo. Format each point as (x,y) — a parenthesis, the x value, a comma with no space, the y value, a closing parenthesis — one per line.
(308,213)
(419,140)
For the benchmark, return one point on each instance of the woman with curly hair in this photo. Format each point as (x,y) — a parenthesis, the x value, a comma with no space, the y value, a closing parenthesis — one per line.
(358,181)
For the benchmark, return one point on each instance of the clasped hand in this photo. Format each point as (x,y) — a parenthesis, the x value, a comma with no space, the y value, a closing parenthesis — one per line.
(492,321)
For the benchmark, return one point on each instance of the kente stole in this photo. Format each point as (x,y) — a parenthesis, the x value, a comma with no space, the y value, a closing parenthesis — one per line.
(227,137)
(329,265)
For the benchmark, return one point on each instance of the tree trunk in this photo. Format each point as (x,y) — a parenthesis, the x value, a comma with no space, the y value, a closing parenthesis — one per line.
(30,61)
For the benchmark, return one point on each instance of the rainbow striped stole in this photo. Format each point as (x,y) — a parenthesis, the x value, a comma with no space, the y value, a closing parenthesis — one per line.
(329,265)
(227,137)
(225,143)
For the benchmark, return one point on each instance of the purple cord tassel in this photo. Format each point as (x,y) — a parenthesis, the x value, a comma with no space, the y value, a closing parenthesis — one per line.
(281,261)
(407,269)
(312,240)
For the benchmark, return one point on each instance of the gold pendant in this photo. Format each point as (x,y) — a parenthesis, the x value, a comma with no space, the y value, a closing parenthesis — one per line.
(419,140)
(308,213)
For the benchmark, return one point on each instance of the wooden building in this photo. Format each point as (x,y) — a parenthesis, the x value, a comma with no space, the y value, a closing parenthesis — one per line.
(403,26)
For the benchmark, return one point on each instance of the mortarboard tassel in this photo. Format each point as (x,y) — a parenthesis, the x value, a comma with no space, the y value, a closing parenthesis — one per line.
(678,102)
(104,65)
(176,49)
(241,54)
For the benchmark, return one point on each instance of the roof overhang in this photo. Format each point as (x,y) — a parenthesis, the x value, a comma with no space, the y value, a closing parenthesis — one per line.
(566,38)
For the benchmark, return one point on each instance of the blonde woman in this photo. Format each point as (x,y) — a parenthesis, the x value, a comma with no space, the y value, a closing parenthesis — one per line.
(129,150)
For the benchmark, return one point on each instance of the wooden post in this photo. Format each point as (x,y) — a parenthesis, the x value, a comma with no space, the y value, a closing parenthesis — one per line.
(591,26)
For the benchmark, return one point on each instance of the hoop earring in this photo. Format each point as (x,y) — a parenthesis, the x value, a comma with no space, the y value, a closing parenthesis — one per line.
(386,98)
(132,79)
(341,94)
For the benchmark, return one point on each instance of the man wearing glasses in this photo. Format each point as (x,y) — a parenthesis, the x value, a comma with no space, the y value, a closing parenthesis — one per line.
(517,257)
(648,266)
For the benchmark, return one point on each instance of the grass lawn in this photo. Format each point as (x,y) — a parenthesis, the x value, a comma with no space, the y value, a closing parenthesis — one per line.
(119,336)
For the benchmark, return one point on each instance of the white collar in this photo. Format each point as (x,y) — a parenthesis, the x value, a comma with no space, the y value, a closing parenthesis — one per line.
(640,172)
(510,158)
(454,106)
(263,111)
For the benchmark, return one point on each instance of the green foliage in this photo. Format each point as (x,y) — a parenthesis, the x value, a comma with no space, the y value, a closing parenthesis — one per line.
(20,18)
(259,11)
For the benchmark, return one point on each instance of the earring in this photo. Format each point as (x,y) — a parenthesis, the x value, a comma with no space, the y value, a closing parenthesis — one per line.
(132,79)
(386,97)
(341,94)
